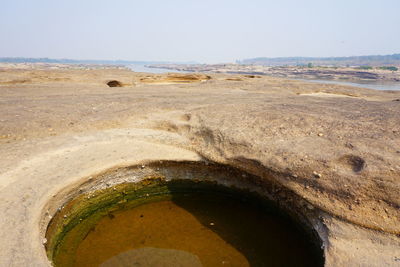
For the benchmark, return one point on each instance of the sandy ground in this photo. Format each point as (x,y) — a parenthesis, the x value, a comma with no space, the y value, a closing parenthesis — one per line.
(339,153)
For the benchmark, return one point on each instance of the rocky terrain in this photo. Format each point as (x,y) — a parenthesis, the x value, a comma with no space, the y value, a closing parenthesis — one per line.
(335,148)
(328,73)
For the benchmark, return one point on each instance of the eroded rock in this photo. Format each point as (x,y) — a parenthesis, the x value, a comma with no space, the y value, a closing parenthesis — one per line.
(268,127)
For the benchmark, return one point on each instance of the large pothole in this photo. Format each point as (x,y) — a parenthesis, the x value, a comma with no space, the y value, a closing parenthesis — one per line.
(181,214)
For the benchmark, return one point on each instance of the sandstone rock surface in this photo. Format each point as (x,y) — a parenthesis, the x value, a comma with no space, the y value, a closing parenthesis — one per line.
(336,147)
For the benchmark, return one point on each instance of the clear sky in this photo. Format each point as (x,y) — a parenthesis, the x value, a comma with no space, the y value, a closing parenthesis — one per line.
(207,31)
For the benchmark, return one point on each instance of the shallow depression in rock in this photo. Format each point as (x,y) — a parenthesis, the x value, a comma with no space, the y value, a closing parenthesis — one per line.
(179,223)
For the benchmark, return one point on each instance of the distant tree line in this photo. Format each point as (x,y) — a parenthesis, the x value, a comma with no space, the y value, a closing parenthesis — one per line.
(392,68)
(376,61)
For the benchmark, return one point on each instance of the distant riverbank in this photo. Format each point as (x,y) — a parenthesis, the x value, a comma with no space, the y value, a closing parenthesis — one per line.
(145,68)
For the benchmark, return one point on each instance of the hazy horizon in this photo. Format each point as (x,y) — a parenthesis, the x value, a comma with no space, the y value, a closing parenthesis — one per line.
(206,31)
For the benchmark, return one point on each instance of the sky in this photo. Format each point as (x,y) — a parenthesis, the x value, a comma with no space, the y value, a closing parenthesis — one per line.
(205,31)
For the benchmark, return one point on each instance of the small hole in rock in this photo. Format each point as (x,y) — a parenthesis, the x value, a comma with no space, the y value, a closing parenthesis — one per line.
(114,83)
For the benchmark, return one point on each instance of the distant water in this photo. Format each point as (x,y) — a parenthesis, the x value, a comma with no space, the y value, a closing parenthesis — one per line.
(364,84)
(143,68)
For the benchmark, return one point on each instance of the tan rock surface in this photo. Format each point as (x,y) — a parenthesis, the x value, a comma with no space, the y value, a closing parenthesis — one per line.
(340,153)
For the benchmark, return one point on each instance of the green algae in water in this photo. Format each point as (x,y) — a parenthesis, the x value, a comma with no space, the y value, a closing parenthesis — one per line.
(186,224)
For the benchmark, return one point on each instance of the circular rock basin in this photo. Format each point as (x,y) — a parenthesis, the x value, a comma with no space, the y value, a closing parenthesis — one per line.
(177,223)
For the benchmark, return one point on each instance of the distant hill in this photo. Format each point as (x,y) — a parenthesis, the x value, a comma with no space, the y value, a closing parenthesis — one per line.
(376,60)
(77,61)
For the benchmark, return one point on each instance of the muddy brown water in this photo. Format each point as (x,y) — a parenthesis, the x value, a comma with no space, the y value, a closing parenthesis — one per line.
(192,229)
